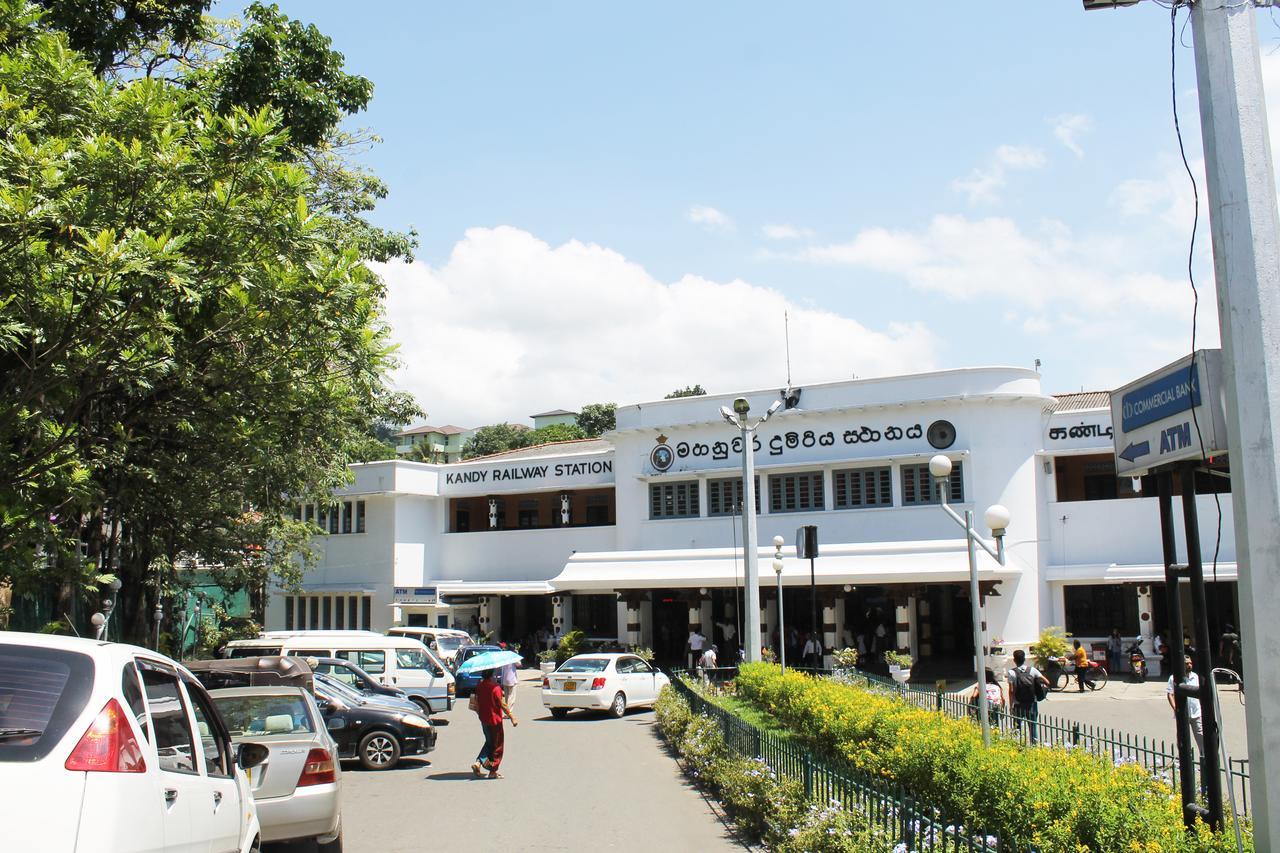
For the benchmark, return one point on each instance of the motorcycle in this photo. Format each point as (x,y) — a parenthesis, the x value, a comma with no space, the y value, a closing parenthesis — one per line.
(1137,661)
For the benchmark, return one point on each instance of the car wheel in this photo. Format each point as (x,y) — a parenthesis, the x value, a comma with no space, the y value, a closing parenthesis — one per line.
(423,705)
(619,706)
(379,751)
(559,713)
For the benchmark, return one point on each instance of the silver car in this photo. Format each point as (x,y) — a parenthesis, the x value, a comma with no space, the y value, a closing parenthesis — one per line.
(298,788)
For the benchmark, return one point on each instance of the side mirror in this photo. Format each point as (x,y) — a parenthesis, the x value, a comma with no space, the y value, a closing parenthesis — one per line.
(438,672)
(251,755)
(335,724)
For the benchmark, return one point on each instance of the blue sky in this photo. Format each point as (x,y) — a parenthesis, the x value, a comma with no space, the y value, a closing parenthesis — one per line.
(615,200)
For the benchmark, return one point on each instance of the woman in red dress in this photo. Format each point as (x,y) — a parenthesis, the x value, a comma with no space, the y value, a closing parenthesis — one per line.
(491,707)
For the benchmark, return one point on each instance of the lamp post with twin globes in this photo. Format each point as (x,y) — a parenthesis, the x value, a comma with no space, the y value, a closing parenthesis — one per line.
(782,629)
(997,518)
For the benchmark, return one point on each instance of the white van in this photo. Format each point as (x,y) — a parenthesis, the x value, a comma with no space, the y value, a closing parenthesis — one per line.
(445,642)
(397,661)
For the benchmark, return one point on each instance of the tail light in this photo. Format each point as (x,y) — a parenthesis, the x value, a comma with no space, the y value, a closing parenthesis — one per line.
(453,688)
(597,683)
(319,769)
(109,745)
(546,683)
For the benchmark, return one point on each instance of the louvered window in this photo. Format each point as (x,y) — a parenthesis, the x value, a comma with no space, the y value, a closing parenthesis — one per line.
(795,492)
(863,487)
(724,497)
(673,500)
(919,486)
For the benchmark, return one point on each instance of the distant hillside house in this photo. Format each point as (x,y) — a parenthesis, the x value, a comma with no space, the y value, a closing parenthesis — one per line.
(444,443)
(555,416)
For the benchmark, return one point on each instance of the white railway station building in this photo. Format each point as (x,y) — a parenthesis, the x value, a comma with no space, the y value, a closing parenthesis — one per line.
(637,535)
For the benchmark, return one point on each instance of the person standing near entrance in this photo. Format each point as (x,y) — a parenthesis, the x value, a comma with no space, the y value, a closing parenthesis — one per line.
(1115,650)
(490,707)
(508,677)
(1024,697)
(695,643)
(1193,709)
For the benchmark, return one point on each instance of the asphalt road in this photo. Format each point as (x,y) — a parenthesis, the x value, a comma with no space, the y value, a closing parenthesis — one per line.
(585,782)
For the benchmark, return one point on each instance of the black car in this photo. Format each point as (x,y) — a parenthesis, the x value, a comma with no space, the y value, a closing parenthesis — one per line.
(376,733)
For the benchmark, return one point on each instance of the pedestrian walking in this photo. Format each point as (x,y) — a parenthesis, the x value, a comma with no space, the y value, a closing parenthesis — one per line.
(1026,686)
(1193,709)
(1115,650)
(1229,648)
(508,677)
(695,644)
(1081,662)
(491,707)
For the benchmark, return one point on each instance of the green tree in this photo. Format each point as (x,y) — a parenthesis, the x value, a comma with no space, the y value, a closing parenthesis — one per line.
(107,30)
(554,432)
(687,391)
(598,418)
(495,438)
(187,343)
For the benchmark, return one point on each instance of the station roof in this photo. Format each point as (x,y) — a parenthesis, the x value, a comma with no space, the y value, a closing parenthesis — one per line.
(447,429)
(553,448)
(1080,401)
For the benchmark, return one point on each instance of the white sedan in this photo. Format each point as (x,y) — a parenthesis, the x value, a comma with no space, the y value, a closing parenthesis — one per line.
(609,682)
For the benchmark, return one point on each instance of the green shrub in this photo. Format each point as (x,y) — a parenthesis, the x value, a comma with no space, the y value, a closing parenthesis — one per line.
(569,646)
(831,829)
(1047,799)
(1053,643)
(845,658)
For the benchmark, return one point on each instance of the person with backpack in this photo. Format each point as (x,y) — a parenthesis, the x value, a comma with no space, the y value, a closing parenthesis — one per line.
(1027,686)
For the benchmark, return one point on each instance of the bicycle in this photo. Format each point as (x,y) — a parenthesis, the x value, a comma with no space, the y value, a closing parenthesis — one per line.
(1060,670)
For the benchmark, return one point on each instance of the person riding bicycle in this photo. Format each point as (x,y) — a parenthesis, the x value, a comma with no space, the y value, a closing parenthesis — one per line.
(1082,664)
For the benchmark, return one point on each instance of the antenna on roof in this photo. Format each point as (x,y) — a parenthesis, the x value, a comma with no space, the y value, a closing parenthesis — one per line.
(786,330)
(1037,365)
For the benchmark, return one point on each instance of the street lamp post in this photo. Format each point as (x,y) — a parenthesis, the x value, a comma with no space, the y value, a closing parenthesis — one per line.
(782,630)
(751,559)
(997,518)
(102,621)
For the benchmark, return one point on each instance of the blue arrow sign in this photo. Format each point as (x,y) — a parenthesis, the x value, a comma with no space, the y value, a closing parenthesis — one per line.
(1134,451)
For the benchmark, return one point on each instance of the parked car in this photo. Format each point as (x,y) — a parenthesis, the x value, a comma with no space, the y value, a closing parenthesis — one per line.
(373,733)
(467,681)
(602,682)
(395,661)
(354,695)
(354,677)
(443,641)
(298,788)
(111,747)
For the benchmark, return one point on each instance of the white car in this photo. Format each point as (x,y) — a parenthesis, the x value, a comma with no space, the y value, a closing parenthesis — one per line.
(609,682)
(298,788)
(445,642)
(118,749)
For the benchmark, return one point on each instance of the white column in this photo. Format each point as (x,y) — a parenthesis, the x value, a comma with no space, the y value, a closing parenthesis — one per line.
(561,613)
(829,636)
(902,626)
(632,629)
(1245,226)
(1146,629)
(839,620)
(770,620)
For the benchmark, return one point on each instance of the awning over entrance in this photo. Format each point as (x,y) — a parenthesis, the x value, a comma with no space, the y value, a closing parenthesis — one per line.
(934,561)
(1127,573)
(447,588)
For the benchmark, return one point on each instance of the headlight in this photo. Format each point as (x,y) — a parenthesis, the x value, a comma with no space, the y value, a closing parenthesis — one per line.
(415,720)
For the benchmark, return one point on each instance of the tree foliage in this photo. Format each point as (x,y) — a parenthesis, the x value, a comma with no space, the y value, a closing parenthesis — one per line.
(598,418)
(106,30)
(495,438)
(554,432)
(687,391)
(188,343)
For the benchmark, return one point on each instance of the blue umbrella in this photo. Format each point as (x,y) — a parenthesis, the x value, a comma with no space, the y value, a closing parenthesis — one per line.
(489,660)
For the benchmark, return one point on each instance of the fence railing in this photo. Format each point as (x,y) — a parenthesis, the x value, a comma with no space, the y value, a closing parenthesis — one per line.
(889,807)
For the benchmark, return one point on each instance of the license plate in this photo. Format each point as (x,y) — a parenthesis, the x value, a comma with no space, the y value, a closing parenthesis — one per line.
(570,685)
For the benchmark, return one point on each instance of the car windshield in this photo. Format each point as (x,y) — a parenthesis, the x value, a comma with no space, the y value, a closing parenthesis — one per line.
(264,717)
(584,665)
(337,688)
(42,692)
(450,644)
(413,659)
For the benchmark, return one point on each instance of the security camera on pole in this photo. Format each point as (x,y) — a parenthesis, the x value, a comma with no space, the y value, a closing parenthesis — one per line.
(997,518)
(751,557)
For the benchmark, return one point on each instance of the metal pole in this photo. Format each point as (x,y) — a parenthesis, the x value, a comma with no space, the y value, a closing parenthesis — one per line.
(1245,224)
(1173,595)
(782,629)
(975,604)
(813,618)
(1210,780)
(750,548)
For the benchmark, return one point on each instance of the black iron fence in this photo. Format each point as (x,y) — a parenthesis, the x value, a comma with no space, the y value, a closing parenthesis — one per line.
(889,807)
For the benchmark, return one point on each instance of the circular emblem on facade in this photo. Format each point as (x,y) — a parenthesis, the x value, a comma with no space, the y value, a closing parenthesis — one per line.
(941,434)
(661,457)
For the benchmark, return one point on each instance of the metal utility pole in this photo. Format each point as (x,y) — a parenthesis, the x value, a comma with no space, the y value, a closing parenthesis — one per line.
(1245,228)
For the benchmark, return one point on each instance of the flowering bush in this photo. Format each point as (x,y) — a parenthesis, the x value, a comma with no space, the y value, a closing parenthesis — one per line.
(1047,799)
(845,658)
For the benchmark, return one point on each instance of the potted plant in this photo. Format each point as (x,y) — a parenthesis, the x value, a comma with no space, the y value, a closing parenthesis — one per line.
(547,661)
(899,665)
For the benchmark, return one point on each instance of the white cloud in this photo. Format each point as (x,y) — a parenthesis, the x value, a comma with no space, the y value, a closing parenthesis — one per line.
(709,218)
(510,325)
(786,232)
(983,184)
(1069,128)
